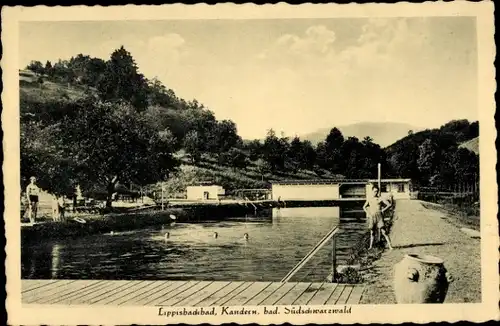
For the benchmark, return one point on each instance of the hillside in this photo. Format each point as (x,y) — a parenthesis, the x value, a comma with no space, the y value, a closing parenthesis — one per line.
(472,145)
(383,134)
(43,100)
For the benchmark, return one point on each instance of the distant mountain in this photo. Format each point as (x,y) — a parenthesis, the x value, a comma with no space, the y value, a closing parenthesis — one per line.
(383,133)
(472,145)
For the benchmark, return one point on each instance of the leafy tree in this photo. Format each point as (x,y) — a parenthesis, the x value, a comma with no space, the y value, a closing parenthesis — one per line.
(122,80)
(427,158)
(334,158)
(36,67)
(193,146)
(236,158)
(42,157)
(223,137)
(111,144)
(48,69)
(254,149)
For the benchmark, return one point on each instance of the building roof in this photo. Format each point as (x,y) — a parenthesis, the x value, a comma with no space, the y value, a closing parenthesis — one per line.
(334,181)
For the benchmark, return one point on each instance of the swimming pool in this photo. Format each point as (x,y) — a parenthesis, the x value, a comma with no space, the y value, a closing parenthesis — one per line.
(192,252)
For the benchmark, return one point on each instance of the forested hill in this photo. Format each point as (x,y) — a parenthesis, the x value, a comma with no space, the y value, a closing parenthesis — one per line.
(435,156)
(101,123)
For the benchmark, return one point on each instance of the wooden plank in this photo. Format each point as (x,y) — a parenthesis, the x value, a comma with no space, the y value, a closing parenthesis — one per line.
(293,294)
(145,295)
(335,295)
(264,294)
(345,294)
(185,294)
(68,290)
(308,294)
(114,295)
(201,295)
(160,292)
(278,294)
(219,294)
(78,292)
(131,296)
(94,295)
(356,294)
(158,301)
(322,295)
(233,293)
(247,294)
(29,285)
(45,291)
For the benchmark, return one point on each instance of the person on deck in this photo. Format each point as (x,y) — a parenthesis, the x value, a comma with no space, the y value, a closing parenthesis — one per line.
(32,193)
(374,212)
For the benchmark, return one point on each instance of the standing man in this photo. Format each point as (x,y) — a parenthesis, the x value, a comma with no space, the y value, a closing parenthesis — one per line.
(32,193)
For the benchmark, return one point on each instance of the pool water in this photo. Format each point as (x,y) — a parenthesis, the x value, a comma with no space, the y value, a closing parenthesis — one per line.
(191,251)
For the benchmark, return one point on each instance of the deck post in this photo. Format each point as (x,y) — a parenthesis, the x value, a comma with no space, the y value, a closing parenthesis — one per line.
(334,259)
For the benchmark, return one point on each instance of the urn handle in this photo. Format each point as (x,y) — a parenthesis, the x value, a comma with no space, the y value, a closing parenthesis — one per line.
(413,275)
(449,277)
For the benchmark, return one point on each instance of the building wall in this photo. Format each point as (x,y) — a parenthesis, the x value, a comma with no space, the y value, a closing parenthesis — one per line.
(392,188)
(198,192)
(305,192)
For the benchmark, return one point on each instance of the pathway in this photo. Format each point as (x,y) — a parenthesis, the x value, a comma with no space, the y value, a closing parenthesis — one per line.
(417,229)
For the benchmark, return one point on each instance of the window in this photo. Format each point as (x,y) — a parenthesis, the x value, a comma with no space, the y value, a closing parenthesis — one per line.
(401,187)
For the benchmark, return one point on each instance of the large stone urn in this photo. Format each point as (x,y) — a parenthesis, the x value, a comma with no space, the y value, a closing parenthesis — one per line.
(421,279)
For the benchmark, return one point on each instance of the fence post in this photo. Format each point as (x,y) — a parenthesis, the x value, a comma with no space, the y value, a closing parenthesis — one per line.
(334,259)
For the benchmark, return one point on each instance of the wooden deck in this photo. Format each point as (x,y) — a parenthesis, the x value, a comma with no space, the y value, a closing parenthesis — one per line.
(187,293)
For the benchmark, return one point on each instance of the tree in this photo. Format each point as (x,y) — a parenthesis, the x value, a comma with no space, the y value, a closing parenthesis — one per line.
(193,146)
(254,149)
(333,159)
(36,67)
(48,69)
(111,144)
(236,158)
(427,159)
(223,137)
(122,80)
(41,156)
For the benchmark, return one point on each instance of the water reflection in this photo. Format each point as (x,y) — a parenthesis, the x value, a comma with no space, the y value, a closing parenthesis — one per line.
(190,251)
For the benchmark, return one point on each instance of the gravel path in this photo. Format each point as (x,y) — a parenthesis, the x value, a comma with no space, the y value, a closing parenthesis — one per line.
(417,229)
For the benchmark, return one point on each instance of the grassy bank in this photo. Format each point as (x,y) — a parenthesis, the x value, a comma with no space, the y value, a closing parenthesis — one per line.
(95,224)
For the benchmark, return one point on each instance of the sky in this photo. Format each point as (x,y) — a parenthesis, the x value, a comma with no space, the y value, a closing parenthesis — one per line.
(292,75)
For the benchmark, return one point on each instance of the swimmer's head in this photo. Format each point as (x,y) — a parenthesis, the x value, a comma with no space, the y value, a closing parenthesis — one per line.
(245,236)
(167,235)
(216,235)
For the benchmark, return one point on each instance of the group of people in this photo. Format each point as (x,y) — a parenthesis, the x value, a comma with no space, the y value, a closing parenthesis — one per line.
(33,200)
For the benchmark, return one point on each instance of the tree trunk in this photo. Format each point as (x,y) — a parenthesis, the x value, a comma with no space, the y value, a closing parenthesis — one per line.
(110,190)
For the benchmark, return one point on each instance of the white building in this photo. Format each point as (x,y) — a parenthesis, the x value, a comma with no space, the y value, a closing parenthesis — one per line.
(398,188)
(306,190)
(310,190)
(205,192)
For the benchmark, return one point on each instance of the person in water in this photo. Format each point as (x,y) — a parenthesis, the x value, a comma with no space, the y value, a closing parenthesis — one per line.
(374,212)
(32,193)
(245,236)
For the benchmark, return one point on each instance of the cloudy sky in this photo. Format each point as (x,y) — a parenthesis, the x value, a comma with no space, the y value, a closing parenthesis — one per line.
(295,75)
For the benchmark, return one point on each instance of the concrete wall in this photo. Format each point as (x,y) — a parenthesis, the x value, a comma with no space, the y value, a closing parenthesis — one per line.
(198,192)
(305,192)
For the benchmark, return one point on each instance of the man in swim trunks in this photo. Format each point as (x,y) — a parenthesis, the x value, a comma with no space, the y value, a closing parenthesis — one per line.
(374,212)
(32,193)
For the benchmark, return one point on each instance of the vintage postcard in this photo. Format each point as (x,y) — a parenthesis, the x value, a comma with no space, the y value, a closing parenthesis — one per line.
(250,164)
